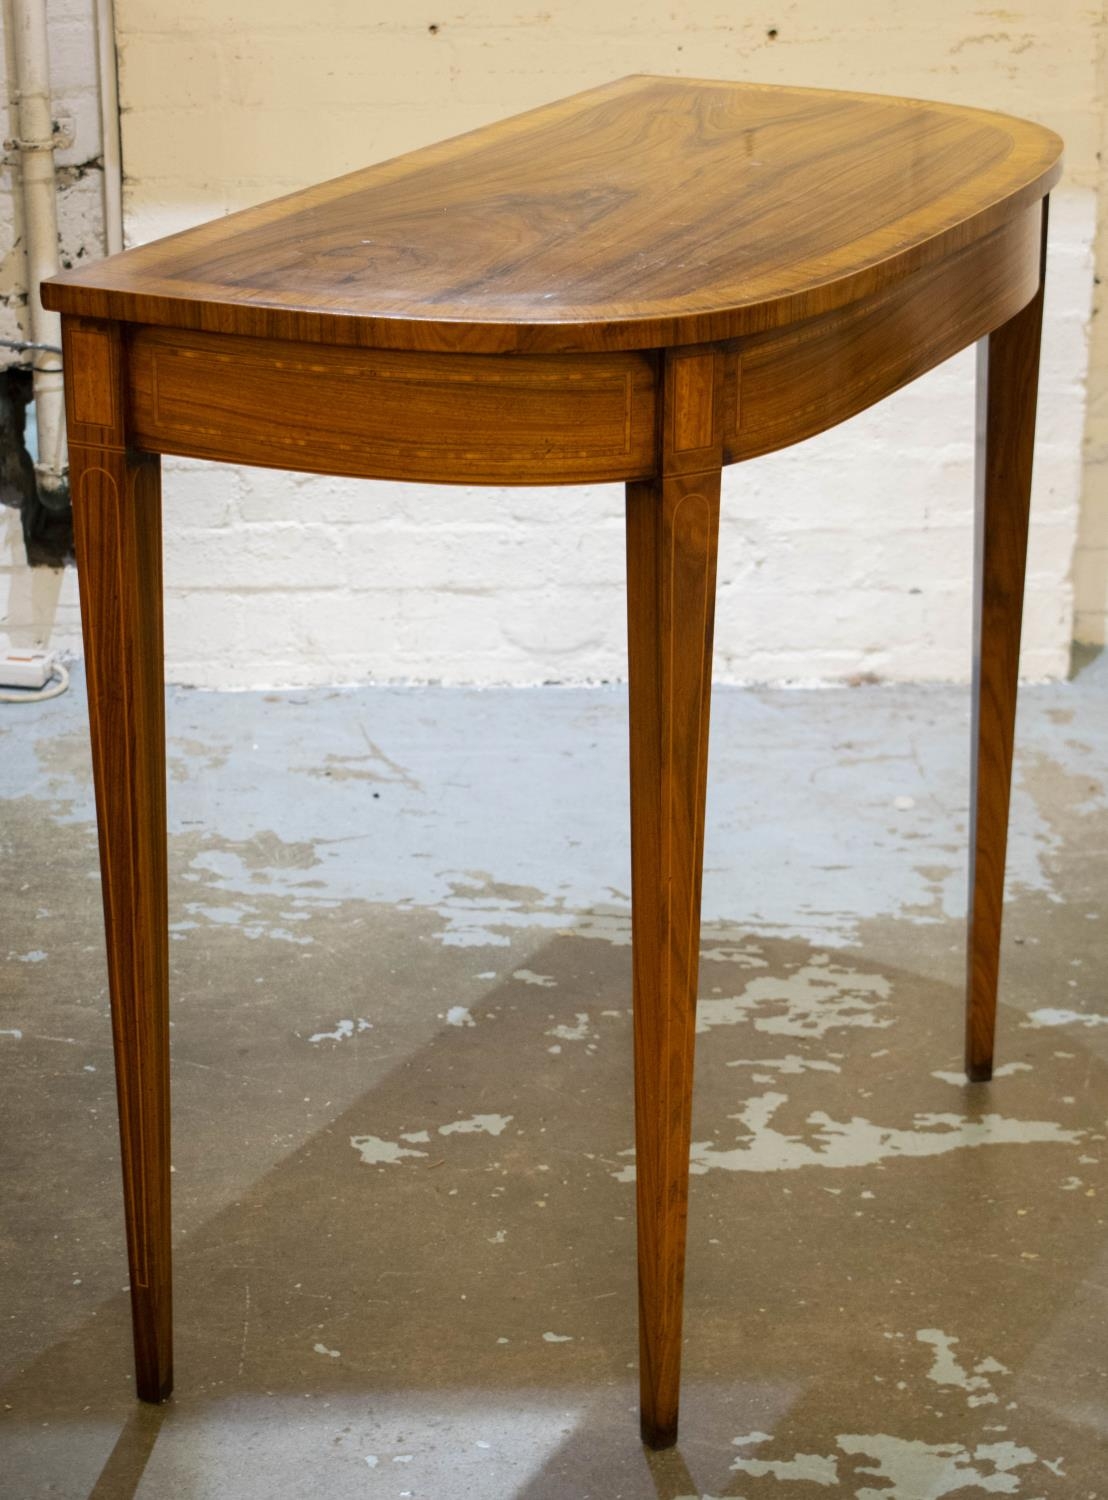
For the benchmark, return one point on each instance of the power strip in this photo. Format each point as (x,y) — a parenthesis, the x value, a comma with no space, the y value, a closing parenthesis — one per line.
(25,669)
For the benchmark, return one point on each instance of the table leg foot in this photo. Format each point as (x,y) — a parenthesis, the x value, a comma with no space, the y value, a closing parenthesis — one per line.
(657,1436)
(1007,375)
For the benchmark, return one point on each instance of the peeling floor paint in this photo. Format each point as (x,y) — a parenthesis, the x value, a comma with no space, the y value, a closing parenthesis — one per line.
(376,1152)
(343,1029)
(820,997)
(916,1469)
(478,1125)
(1003,1070)
(792,1064)
(947,1370)
(456,1005)
(807,1468)
(1055,1016)
(857,1142)
(578,1032)
(462,842)
(926,1471)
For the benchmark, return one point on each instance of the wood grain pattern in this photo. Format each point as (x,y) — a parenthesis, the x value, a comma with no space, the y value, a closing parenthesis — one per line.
(117,535)
(469,418)
(1007,389)
(667,211)
(672,538)
(93,357)
(797,381)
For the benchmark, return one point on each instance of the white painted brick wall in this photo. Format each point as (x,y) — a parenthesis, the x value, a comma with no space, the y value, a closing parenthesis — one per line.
(847,554)
(39,606)
(80,215)
(1090,563)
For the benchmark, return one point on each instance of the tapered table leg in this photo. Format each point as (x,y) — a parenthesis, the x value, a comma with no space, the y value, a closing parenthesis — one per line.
(672,531)
(117,530)
(1007,387)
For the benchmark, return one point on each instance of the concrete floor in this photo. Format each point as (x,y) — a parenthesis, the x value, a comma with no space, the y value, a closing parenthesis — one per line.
(401,1054)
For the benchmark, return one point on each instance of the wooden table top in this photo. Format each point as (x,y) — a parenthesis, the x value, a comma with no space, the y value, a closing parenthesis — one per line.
(646,213)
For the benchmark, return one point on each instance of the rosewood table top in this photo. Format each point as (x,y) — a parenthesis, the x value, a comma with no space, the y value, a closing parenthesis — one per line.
(648,212)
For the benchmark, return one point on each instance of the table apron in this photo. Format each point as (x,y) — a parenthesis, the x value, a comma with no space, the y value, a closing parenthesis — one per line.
(388,414)
(793,382)
(552,418)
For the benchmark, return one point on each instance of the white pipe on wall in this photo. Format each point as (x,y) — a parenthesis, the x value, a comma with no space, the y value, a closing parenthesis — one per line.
(40,226)
(111,154)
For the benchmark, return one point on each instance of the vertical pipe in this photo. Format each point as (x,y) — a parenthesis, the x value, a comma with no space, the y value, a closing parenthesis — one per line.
(40,219)
(111,154)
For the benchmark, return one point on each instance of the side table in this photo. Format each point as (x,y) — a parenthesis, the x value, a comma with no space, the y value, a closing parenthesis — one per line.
(640,283)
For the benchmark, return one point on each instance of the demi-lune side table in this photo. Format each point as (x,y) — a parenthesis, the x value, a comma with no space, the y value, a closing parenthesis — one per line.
(640,283)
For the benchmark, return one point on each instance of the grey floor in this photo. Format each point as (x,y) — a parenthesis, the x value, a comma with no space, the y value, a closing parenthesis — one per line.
(403,1145)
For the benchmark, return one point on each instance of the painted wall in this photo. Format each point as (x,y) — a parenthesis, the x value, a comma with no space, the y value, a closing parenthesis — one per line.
(39,605)
(1090,564)
(850,554)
